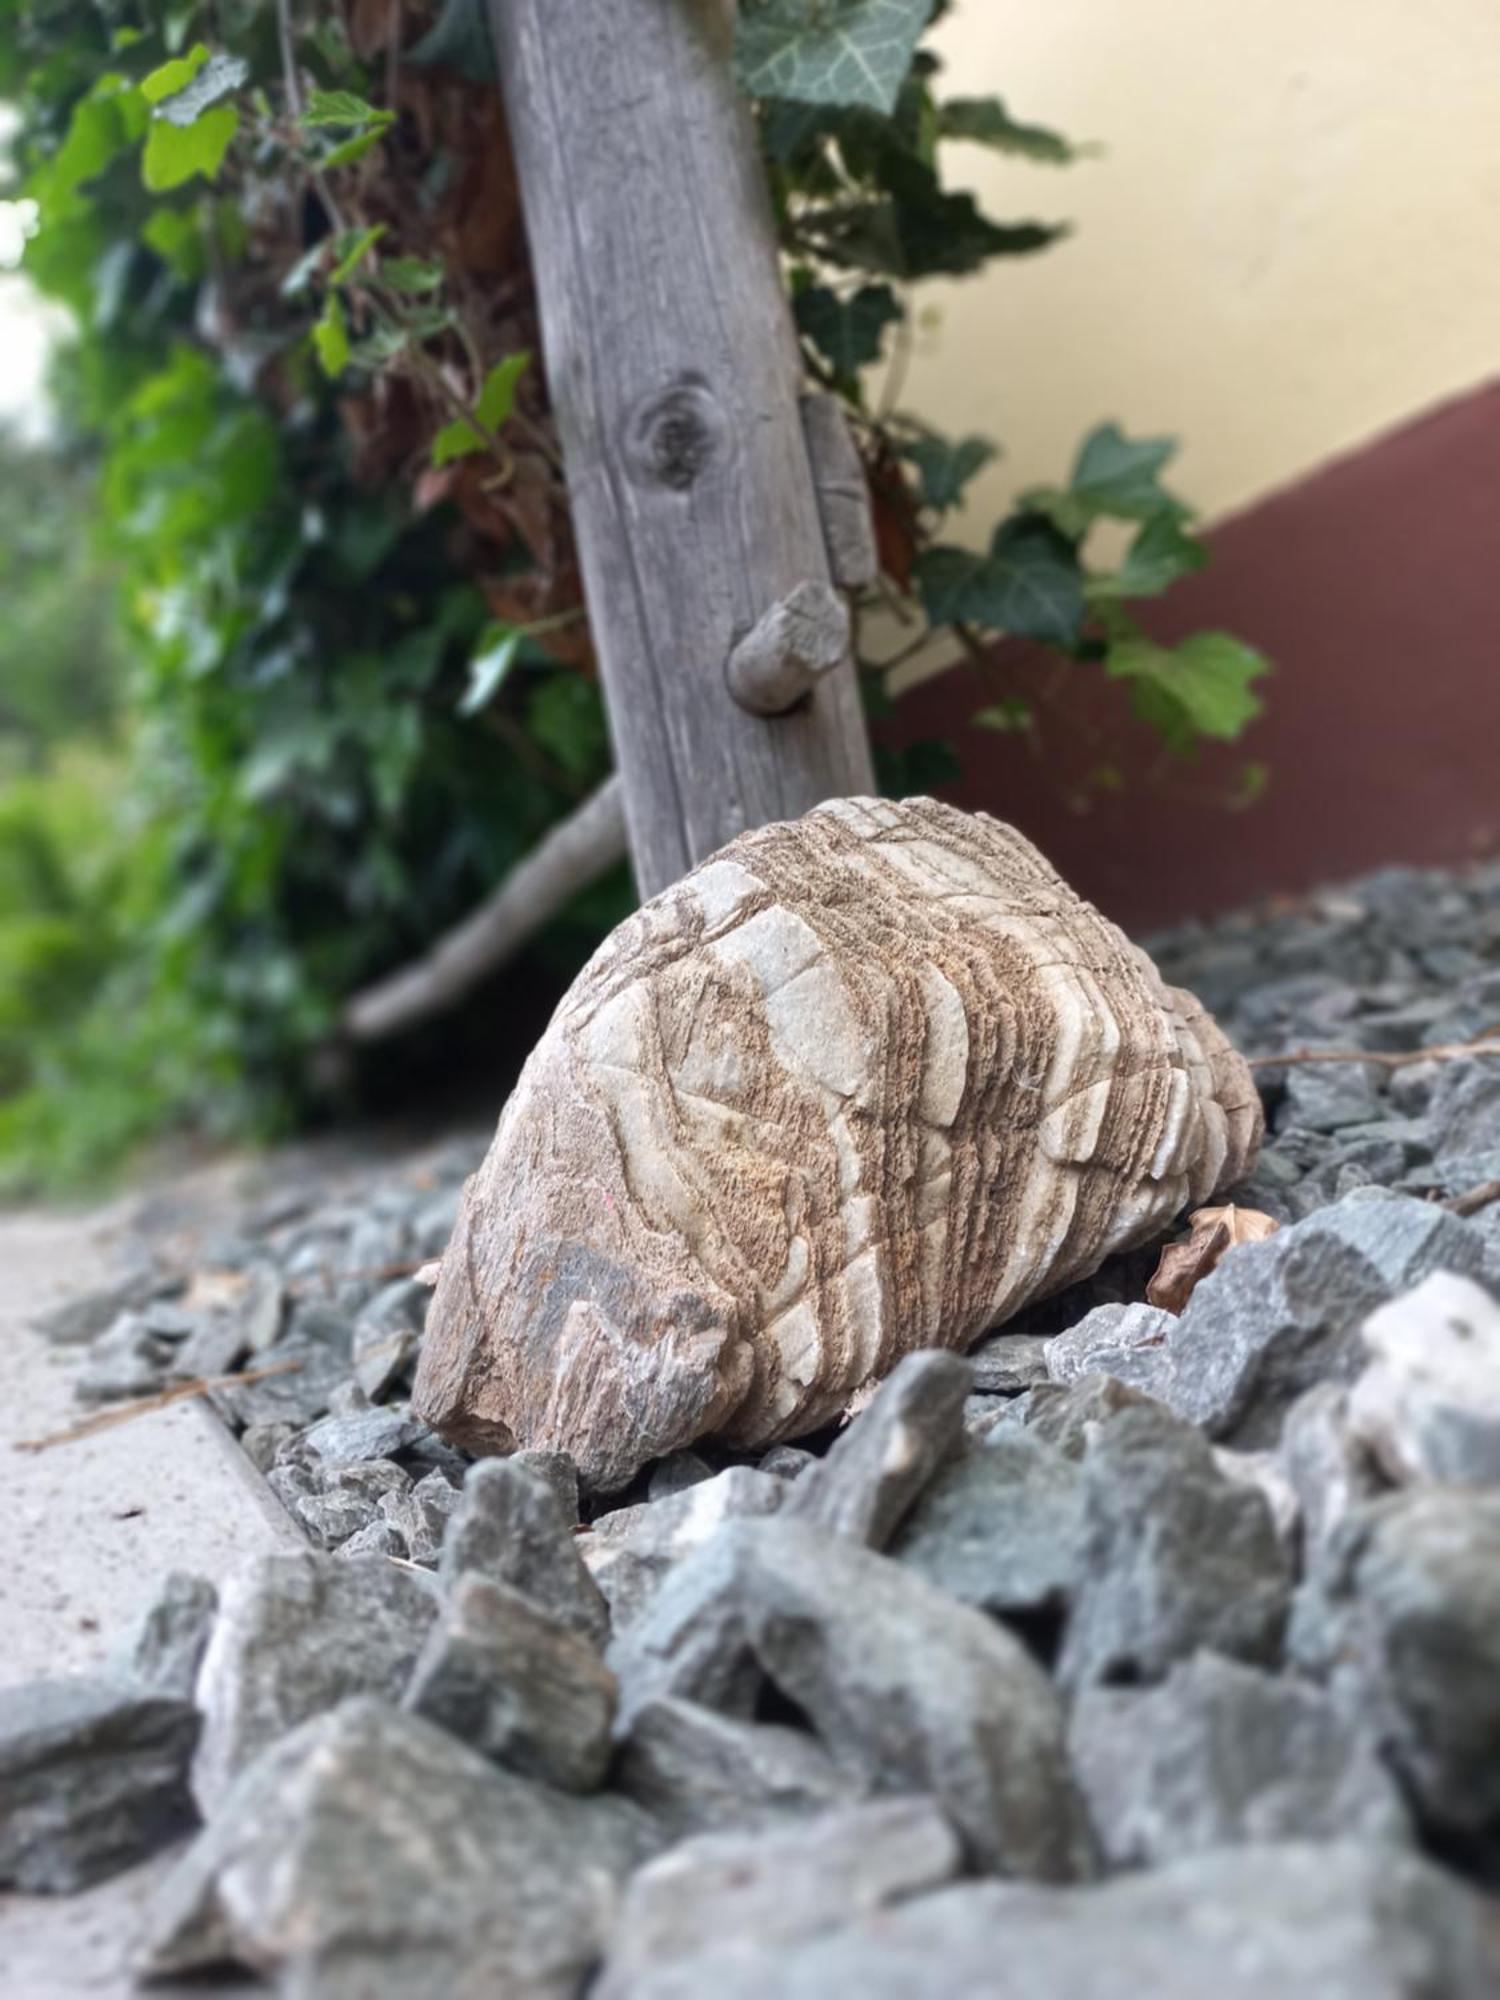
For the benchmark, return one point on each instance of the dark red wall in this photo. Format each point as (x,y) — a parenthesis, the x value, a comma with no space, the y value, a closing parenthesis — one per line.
(1374,587)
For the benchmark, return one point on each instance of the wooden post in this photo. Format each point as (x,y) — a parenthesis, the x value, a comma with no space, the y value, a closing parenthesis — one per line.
(674,374)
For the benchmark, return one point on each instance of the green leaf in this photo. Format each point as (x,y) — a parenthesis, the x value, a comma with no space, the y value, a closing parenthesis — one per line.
(176,235)
(331,338)
(353,247)
(924,233)
(218,77)
(1028,584)
(946,465)
(350,150)
(173,76)
(343,110)
(498,646)
(986,121)
(1113,476)
(1009,717)
(1199,688)
(566,716)
(498,396)
(409,275)
(1161,553)
(847,332)
(828,51)
(176,153)
(496,401)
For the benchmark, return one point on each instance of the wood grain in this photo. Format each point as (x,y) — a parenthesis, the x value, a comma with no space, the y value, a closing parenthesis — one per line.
(674,373)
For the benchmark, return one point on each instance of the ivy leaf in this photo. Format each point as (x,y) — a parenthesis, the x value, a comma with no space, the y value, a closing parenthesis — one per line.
(1113,475)
(498,646)
(1159,555)
(946,465)
(410,276)
(496,401)
(354,247)
(986,121)
(218,77)
(921,233)
(176,153)
(1201,687)
(847,332)
(350,150)
(1028,584)
(331,338)
(828,51)
(171,77)
(342,110)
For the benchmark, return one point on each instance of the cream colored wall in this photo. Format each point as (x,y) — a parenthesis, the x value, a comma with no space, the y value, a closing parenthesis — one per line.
(1292,242)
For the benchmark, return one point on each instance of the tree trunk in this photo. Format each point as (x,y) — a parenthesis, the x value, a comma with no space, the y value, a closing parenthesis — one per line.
(675,377)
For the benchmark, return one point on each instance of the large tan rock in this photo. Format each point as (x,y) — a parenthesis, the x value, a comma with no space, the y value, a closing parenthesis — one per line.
(861,1083)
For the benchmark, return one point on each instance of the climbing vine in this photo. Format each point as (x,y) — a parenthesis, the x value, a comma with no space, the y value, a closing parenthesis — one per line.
(306,355)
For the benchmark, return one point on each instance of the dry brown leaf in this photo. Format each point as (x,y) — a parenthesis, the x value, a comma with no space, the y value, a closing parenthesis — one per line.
(1214,1232)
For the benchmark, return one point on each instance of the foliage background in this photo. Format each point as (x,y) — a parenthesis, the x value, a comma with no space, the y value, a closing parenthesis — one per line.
(301,666)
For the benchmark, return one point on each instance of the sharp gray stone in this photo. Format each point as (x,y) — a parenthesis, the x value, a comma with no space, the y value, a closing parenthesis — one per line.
(1428,1403)
(297,1396)
(1401,1614)
(126,1360)
(1001,1528)
(510,1525)
(166,1649)
(342,1440)
(1121,1341)
(1175,1556)
(1068,1416)
(630,1551)
(1007,1364)
(915,1692)
(421,1514)
(517,1685)
(296,1634)
(676,1473)
(1327,1467)
(93,1777)
(875,1471)
(1279,1316)
(697,1771)
(387,1334)
(369,1854)
(778,1888)
(1222,1753)
(1299,1920)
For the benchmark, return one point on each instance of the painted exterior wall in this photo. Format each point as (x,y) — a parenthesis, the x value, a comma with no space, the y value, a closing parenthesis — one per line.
(1291,244)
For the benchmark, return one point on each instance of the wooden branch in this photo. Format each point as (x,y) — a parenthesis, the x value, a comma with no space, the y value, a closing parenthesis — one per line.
(1486,1045)
(1473,1199)
(179,1392)
(575,853)
(784,653)
(675,379)
(843,492)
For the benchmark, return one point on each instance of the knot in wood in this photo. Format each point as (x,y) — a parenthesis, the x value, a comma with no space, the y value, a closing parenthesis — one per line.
(674,436)
(803,636)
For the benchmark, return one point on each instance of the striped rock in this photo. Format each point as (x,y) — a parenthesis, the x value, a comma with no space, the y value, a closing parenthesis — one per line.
(861,1083)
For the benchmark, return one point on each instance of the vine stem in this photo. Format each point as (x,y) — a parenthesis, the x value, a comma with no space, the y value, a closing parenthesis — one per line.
(1485,1045)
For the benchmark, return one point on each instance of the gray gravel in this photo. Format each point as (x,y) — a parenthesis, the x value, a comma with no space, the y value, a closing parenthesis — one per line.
(1204,1605)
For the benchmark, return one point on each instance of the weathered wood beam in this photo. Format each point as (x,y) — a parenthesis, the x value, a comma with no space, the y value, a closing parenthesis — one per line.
(674,374)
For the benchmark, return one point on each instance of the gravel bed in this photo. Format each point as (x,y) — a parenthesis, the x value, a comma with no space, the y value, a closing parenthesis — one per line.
(1137,1651)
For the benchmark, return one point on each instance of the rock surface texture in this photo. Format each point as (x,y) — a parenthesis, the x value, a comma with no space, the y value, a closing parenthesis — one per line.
(862,1083)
